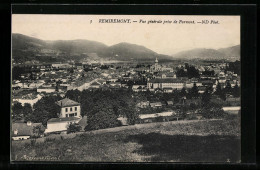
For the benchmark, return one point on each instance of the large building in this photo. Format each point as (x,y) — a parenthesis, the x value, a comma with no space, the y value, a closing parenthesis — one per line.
(156,67)
(165,84)
(69,108)
(69,114)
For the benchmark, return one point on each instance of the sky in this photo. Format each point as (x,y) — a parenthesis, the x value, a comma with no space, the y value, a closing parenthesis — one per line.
(167,38)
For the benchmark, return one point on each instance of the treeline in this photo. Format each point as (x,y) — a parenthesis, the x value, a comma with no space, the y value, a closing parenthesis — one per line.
(103,107)
(43,110)
(191,72)
(234,67)
(18,71)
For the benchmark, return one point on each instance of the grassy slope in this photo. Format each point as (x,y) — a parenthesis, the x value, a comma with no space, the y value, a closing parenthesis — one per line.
(205,141)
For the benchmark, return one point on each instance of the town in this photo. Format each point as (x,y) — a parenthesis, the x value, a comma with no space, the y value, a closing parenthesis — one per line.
(76,96)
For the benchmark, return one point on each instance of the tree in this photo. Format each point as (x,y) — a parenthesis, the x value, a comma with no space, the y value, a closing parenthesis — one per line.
(102,119)
(38,130)
(236,91)
(218,89)
(17,111)
(27,111)
(194,91)
(183,92)
(71,70)
(223,96)
(192,72)
(45,109)
(210,89)
(73,127)
(205,99)
(181,73)
(73,95)
(176,96)
(212,111)
(228,88)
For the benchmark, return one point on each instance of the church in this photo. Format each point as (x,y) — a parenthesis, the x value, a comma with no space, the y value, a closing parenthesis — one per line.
(156,67)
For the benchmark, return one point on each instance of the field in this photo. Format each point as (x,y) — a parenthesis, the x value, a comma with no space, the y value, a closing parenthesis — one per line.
(183,141)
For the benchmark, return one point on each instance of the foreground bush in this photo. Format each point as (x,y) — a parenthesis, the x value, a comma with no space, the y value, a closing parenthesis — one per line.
(74,127)
(212,111)
(102,120)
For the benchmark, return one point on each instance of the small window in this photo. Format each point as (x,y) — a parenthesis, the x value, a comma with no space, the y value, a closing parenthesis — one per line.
(67,115)
(75,108)
(71,109)
(75,114)
(66,110)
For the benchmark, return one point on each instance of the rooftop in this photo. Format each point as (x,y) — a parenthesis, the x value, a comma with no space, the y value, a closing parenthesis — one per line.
(67,102)
(24,129)
(166,81)
(64,119)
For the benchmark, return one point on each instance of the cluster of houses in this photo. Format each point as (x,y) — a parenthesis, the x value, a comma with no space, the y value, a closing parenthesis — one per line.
(58,78)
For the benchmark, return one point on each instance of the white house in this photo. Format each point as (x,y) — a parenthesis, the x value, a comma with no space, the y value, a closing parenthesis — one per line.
(69,113)
(60,124)
(69,108)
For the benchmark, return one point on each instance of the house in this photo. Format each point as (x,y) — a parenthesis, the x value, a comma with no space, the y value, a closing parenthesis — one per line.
(115,84)
(69,113)
(43,89)
(169,103)
(156,104)
(138,88)
(60,124)
(21,131)
(122,120)
(69,108)
(29,98)
(144,118)
(202,89)
(95,85)
(143,104)
(167,90)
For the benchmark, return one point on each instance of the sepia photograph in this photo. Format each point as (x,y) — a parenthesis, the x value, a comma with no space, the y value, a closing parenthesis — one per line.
(125,88)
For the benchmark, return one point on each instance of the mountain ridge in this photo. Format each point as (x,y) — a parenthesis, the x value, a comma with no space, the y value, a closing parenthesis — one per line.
(26,48)
(229,53)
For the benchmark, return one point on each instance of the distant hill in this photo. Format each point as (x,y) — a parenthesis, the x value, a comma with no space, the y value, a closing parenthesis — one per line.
(230,53)
(126,51)
(25,48)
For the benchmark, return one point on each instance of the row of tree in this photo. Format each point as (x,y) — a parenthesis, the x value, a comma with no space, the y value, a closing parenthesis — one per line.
(191,72)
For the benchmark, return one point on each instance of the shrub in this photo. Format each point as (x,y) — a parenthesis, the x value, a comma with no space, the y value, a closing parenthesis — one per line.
(101,120)
(74,127)
(33,142)
(212,111)
(49,139)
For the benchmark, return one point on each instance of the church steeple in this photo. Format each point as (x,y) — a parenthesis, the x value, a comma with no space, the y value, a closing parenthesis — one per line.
(156,60)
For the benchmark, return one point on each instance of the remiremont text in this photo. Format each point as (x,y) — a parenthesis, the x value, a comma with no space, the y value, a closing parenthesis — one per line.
(114,21)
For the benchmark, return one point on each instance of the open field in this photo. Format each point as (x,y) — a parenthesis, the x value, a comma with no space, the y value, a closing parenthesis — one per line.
(194,141)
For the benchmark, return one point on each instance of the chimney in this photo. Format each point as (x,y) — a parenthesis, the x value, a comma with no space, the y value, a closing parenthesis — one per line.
(29,123)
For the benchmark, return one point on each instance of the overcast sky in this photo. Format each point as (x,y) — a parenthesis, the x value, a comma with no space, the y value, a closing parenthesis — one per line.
(161,38)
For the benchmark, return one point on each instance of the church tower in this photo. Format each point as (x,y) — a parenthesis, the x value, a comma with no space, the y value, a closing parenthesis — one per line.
(156,64)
